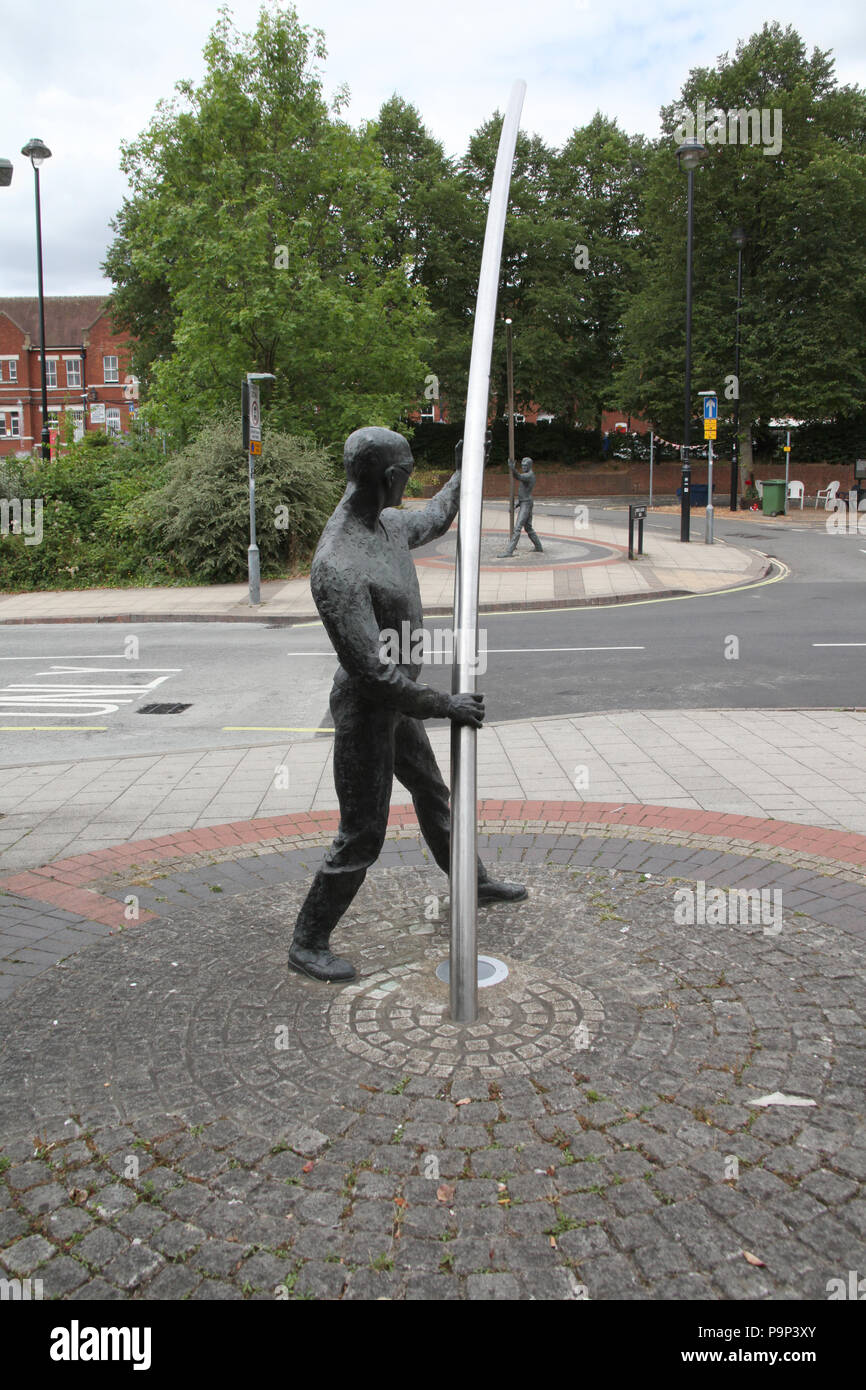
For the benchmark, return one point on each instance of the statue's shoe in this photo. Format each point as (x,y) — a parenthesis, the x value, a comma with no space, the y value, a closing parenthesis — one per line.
(321,965)
(494,891)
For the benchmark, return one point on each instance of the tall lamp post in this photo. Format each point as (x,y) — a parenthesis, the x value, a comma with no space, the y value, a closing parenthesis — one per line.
(509,366)
(689,154)
(37,152)
(739,238)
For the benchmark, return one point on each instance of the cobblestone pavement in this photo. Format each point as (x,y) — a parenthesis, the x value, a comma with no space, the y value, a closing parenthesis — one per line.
(182,1118)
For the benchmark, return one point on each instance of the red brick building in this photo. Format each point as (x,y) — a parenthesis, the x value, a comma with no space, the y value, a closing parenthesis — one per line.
(87,369)
(612,421)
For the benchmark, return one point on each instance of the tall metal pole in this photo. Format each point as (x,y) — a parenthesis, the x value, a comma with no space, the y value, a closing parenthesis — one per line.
(509,359)
(735,452)
(685,510)
(651,468)
(708,524)
(46,445)
(464,826)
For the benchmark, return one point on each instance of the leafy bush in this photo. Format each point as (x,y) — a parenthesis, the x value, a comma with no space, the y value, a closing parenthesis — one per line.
(86,538)
(200,517)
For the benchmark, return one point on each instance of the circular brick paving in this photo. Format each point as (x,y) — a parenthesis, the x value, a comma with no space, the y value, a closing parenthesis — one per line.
(182,1117)
(558,550)
(525,1022)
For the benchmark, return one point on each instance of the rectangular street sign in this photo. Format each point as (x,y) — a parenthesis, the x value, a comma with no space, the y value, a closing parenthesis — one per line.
(709,428)
(255,446)
(711,408)
(255,410)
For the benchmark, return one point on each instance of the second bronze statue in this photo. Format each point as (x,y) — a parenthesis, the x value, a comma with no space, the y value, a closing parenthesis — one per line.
(525,488)
(364,584)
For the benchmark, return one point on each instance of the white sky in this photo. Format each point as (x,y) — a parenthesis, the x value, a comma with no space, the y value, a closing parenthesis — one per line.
(85,74)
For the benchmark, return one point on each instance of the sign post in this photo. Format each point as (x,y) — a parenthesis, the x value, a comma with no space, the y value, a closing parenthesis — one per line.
(651,468)
(711,416)
(251,409)
(464,805)
(635,514)
(787,448)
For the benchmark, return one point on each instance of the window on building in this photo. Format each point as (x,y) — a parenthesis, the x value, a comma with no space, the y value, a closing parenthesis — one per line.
(112,419)
(50,374)
(428,412)
(73,371)
(54,420)
(76,413)
(109,368)
(13,371)
(15,424)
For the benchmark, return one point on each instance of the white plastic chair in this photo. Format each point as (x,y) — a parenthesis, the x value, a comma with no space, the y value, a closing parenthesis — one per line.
(827,495)
(796,492)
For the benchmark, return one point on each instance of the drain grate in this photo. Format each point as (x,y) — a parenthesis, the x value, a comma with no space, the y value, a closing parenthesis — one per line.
(162,709)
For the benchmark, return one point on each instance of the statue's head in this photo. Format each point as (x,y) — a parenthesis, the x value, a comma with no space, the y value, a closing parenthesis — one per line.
(376,458)
(526,465)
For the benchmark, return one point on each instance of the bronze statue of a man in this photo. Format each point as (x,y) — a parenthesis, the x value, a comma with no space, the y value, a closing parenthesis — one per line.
(525,488)
(364,584)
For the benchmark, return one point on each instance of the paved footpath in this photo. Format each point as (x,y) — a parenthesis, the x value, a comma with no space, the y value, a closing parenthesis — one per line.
(585,562)
(179,1117)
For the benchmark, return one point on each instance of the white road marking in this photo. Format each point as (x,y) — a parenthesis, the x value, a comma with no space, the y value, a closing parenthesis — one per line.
(48,698)
(501,650)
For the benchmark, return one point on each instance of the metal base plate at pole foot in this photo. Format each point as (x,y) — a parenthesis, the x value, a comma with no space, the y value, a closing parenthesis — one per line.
(490,971)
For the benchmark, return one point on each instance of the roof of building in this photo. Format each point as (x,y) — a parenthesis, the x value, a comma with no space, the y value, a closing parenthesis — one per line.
(67,316)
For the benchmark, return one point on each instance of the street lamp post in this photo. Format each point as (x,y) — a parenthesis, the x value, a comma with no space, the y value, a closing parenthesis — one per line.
(689,154)
(37,152)
(739,239)
(509,364)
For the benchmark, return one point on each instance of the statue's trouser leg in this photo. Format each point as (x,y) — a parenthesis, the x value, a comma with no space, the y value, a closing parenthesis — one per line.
(526,520)
(363,776)
(416,767)
(518,527)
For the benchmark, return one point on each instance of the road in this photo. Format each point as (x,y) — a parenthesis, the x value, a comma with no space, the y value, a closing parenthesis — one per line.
(71,692)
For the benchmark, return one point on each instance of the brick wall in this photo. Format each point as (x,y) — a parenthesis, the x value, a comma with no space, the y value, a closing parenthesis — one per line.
(634,479)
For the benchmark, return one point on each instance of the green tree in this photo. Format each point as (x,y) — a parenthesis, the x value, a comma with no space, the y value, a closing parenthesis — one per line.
(595,188)
(803,208)
(434,232)
(255,236)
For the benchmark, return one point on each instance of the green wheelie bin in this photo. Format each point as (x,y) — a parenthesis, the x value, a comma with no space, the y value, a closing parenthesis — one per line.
(774,497)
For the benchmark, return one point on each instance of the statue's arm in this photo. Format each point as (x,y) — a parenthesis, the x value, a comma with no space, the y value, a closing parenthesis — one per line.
(432,521)
(346,611)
